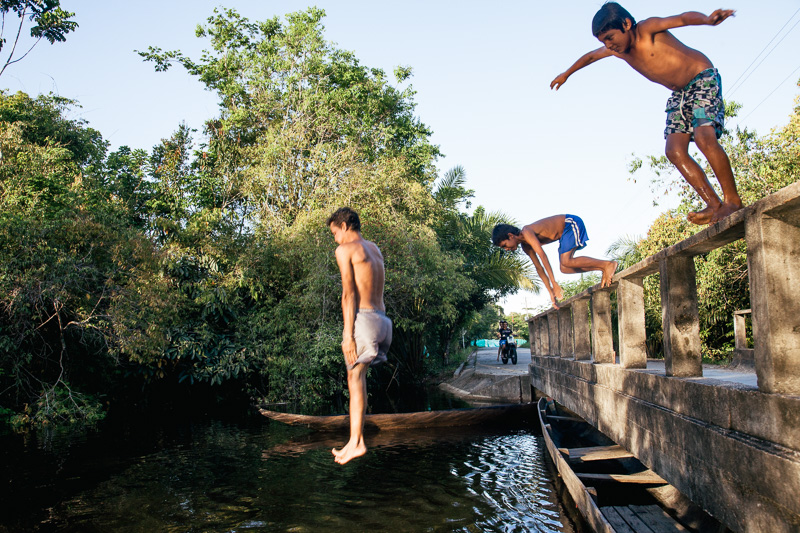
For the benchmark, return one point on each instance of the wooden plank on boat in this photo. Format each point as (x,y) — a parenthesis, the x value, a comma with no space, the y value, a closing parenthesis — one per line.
(566,418)
(617,522)
(648,477)
(422,419)
(633,520)
(656,519)
(596,453)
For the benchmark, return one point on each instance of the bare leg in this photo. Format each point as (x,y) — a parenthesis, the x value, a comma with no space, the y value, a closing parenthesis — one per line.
(577,265)
(706,140)
(678,153)
(357,385)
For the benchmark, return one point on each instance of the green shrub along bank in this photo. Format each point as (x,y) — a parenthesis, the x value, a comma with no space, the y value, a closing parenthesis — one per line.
(204,264)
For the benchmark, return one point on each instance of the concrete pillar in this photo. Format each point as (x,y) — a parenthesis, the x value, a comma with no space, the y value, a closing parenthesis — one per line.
(773,264)
(532,336)
(552,332)
(580,329)
(630,300)
(544,339)
(602,334)
(679,317)
(565,348)
(740,329)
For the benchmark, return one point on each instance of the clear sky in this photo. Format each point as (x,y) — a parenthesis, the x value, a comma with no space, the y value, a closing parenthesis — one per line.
(482,72)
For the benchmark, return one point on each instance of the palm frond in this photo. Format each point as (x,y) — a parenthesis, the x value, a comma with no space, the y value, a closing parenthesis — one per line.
(625,250)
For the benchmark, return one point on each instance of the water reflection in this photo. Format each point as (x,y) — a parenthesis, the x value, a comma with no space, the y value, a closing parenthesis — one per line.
(268,477)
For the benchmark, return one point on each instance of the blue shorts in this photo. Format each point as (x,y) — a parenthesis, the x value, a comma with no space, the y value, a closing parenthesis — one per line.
(574,235)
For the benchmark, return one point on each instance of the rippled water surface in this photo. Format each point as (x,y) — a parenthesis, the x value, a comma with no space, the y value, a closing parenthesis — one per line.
(262,476)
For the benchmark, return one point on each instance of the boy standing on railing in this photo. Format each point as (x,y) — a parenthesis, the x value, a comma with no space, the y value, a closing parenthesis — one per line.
(695,111)
(571,234)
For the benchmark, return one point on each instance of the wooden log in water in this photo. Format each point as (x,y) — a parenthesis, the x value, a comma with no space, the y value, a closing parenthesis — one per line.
(421,419)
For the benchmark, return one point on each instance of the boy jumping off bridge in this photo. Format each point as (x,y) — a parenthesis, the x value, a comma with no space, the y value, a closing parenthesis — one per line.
(695,111)
(571,234)
(367,330)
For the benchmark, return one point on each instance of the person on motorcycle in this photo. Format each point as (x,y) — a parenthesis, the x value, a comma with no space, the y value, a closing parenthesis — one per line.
(503,331)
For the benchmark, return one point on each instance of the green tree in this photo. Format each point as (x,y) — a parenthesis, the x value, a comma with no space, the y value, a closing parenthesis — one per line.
(48,21)
(299,115)
(494,272)
(64,259)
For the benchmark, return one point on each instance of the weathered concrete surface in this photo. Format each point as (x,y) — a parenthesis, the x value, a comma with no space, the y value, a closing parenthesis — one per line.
(483,379)
(773,265)
(732,449)
(680,318)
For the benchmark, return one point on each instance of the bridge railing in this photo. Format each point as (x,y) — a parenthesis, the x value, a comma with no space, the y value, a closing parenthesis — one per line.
(771,229)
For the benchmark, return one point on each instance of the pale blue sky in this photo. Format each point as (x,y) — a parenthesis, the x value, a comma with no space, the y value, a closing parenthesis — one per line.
(482,73)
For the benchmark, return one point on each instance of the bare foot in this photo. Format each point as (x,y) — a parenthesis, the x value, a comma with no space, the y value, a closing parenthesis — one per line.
(349,451)
(724,210)
(608,273)
(701,217)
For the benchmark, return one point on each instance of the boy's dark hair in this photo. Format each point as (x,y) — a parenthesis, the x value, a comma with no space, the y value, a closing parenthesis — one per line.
(501,231)
(346,215)
(611,17)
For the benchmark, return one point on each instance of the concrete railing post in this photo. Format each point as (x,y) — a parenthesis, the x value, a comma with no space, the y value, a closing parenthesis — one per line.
(773,264)
(679,317)
(740,329)
(544,336)
(580,328)
(565,348)
(552,332)
(632,335)
(602,334)
(532,336)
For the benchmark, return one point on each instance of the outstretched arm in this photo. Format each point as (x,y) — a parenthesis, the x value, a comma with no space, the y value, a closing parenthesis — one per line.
(583,61)
(533,248)
(349,303)
(690,18)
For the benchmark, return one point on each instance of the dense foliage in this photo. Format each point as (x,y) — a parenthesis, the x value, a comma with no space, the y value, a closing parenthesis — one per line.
(206,266)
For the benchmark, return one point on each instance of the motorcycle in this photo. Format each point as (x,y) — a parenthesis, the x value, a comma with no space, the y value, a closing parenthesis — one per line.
(508,350)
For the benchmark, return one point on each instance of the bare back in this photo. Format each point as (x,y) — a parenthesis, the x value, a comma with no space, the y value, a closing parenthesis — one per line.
(662,58)
(366,261)
(548,229)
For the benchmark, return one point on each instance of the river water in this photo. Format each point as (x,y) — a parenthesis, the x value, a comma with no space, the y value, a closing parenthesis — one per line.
(252,474)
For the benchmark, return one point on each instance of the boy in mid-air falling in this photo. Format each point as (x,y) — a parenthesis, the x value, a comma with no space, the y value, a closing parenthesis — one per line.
(570,232)
(367,330)
(695,110)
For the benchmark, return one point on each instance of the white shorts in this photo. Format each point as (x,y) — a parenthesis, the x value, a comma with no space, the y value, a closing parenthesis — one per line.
(373,335)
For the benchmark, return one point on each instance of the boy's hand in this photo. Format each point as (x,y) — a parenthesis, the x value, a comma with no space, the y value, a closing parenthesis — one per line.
(719,15)
(349,350)
(553,299)
(560,80)
(557,292)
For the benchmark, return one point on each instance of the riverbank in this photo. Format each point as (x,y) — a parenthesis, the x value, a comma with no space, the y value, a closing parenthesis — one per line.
(482,379)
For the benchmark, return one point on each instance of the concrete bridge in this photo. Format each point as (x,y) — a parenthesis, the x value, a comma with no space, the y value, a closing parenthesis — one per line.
(732,446)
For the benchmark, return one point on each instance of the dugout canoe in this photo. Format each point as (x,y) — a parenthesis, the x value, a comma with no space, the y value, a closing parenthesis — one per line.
(420,419)
(614,491)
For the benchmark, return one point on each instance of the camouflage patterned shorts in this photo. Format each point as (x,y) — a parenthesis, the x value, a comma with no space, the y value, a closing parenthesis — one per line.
(699,103)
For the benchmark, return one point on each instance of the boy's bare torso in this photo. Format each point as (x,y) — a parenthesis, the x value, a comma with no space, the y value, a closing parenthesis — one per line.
(548,229)
(662,58)
(368,273)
